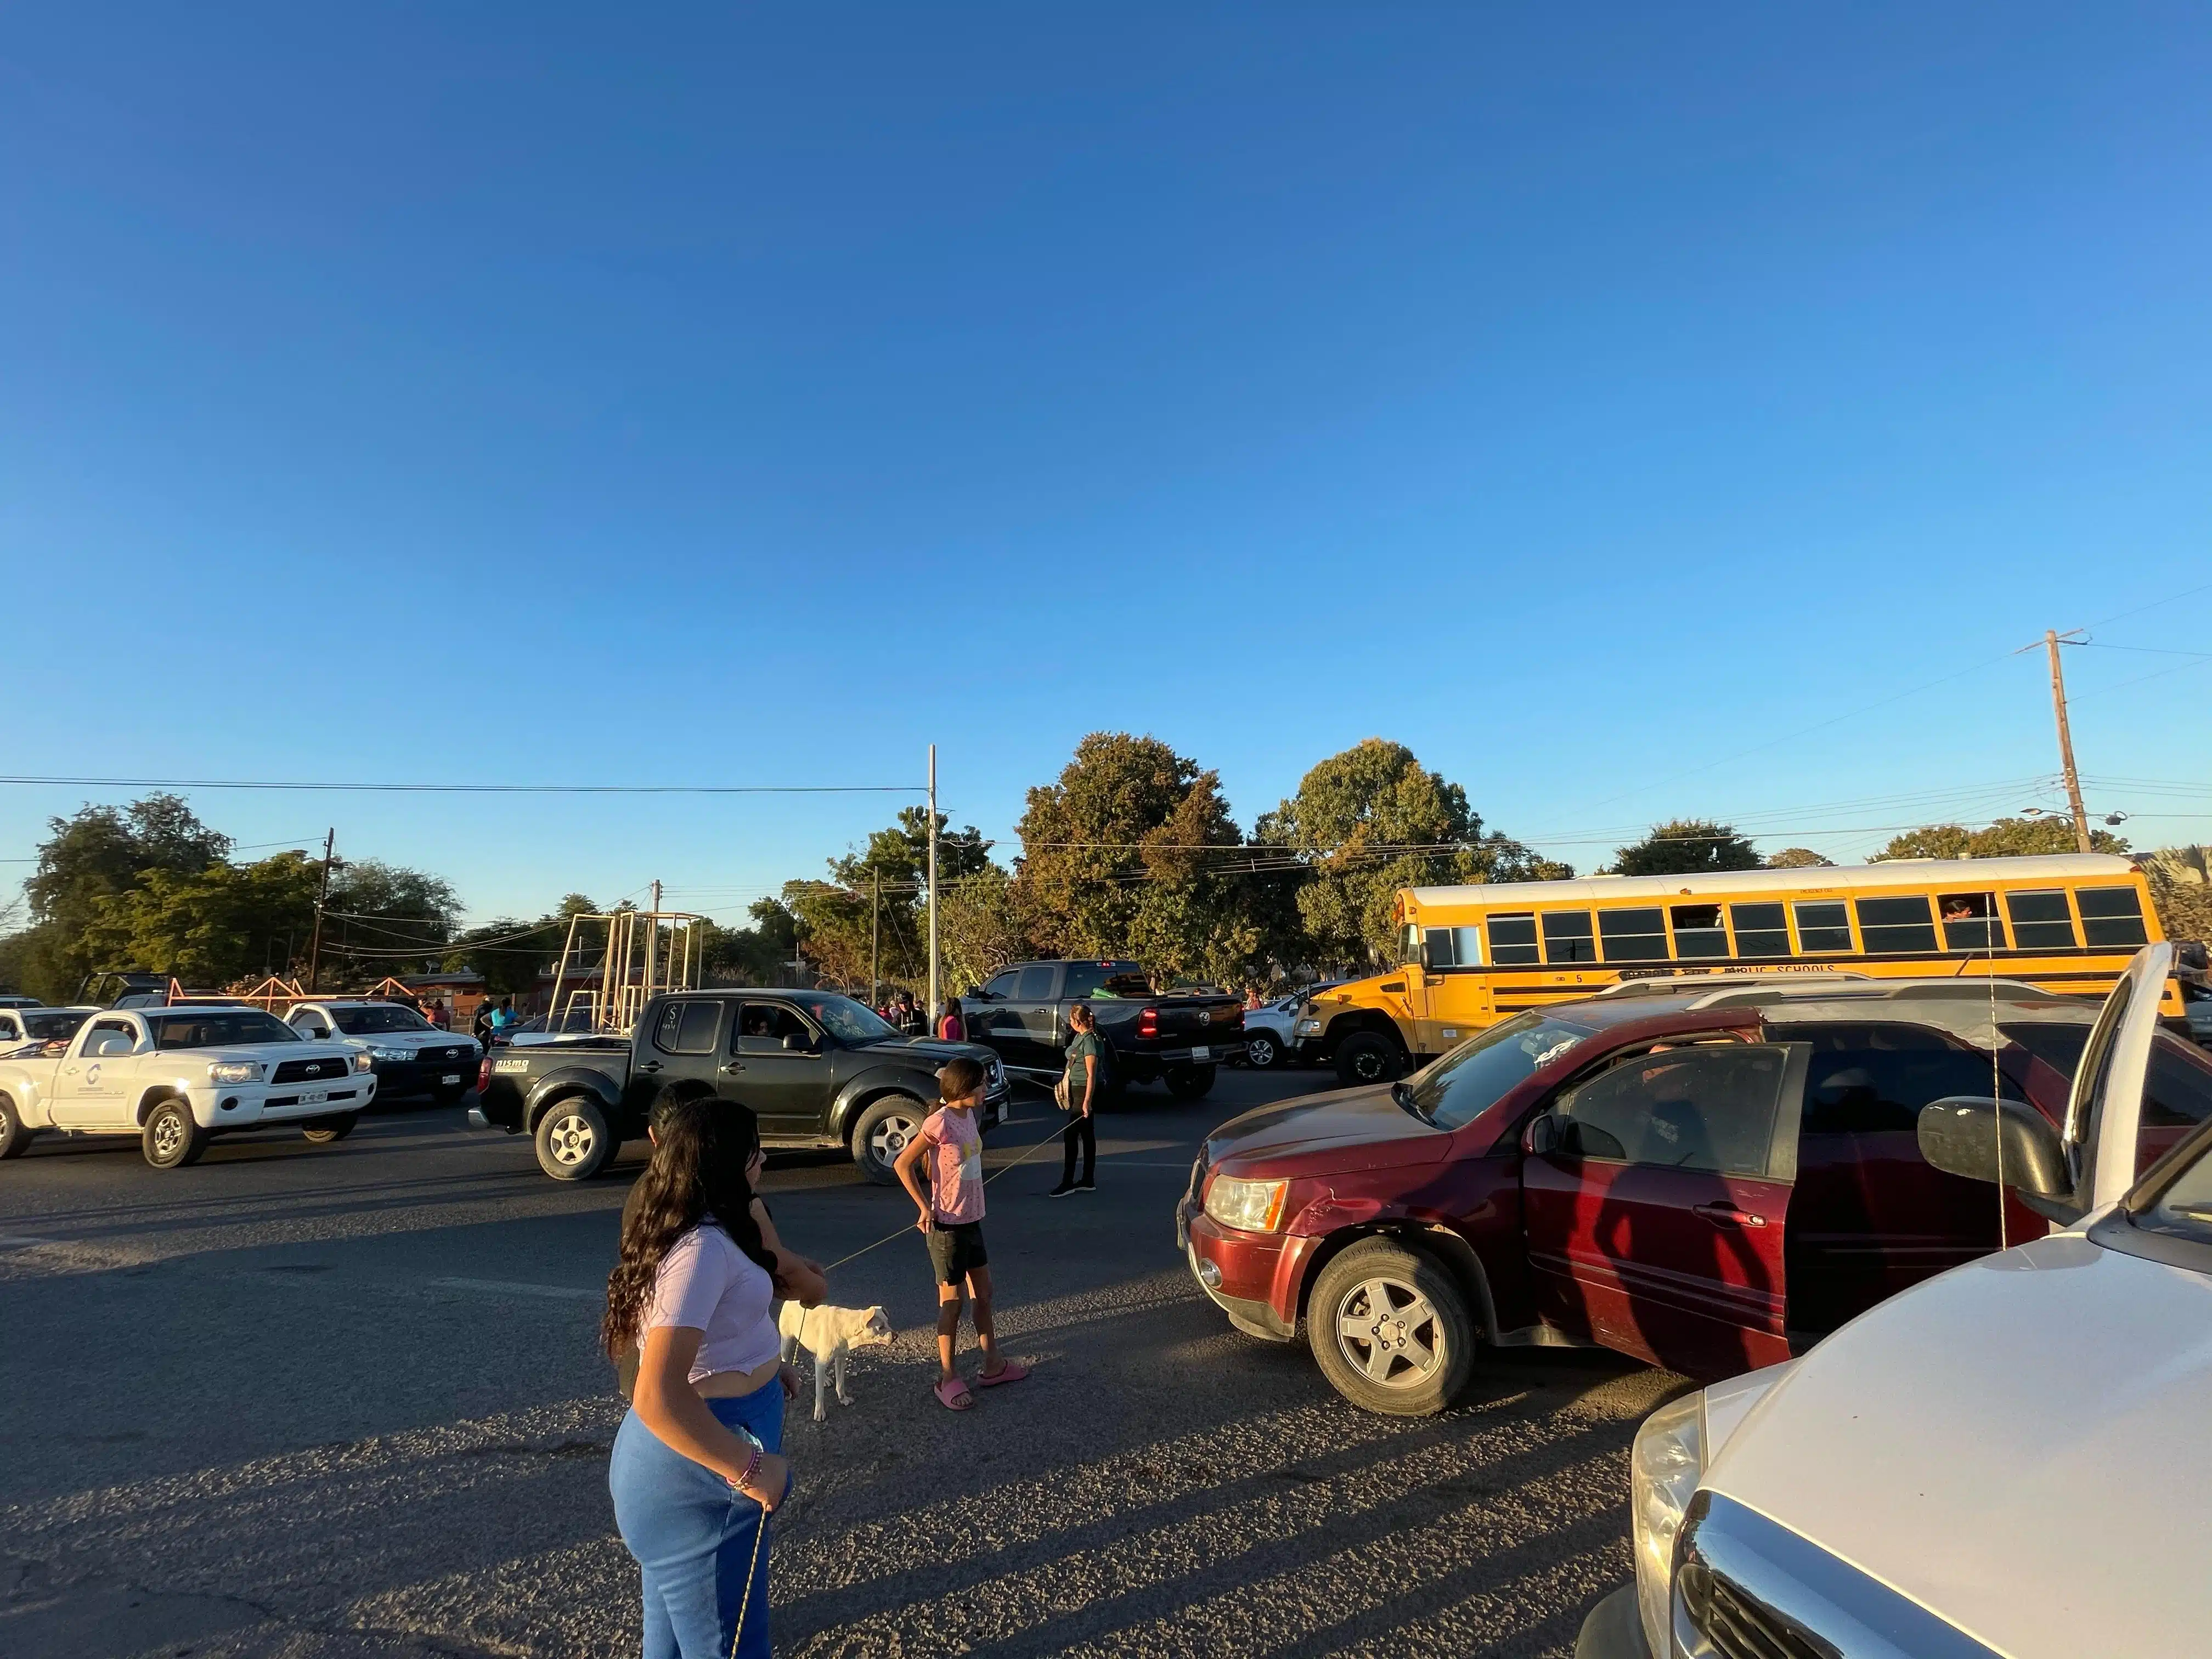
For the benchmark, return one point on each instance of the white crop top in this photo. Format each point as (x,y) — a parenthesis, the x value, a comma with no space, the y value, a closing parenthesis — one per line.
(707,1284)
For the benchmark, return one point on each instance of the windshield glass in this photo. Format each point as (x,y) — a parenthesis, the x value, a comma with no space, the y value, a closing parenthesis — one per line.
(1450,1091)
(2184,1208)
(47,1027)
(845,1019)
(221,1030)
(386,1016)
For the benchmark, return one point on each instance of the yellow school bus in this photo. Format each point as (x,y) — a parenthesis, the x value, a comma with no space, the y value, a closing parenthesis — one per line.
(1472,955)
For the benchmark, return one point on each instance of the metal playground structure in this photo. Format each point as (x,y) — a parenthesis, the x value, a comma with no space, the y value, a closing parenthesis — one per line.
(607,981)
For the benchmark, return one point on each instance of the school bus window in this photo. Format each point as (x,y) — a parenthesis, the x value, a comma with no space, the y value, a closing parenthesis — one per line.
(1823,928)
(1633,935)
(2041,921)
(2111,915)
(1699,932)
(1513,939)
(1761,929)
(1452,947)
(1409,944)
(1567,937)
(1970,921)
(1895,924)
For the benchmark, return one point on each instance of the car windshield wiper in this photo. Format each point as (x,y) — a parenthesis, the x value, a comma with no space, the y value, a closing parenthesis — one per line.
(1404,1096)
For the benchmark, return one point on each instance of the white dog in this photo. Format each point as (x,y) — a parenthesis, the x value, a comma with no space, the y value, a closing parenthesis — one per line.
(828,1334)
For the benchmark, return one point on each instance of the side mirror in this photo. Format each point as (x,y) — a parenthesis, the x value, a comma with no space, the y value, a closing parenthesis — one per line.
(795,1042)
(320,1033)
(1542,1137)
(1969,1135)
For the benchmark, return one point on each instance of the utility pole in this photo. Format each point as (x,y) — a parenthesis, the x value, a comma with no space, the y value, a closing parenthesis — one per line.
(934,1002)
(651,939)
(876,944)
(2052,642)
(322,895)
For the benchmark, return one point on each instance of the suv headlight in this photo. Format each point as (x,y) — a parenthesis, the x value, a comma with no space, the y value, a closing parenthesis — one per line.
(1251,1206)
(392,1054)
(234,1071)
(1308,1028)
(1664,1470)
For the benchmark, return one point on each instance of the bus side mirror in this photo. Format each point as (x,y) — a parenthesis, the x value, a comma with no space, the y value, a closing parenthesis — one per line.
(1542,1137)
(1978,1137)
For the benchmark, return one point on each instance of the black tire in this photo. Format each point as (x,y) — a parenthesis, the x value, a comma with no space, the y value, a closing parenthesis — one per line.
(172,1138)
(14,1133)
(1190,1082)
(1366,1058)
(881,1134)
(324,1130)
(572,1139)
(1390,1329)
(1263,1050)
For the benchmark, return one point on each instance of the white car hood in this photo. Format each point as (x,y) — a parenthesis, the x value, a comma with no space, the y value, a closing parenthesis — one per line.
(2021,1445)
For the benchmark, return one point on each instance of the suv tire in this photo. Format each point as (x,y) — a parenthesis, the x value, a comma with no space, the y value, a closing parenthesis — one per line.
(1190,1082)
(572,1140)
(1365,1058)
(14,1133)
(173,1137)
(1390,1329)
(321,1131)
(883,1132)
(1263,1050)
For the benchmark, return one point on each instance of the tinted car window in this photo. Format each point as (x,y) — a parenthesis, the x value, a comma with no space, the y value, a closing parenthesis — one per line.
(1513,939)
(2111,915)
(1708,1108)
(1035,985)
(218,1030)
(48,1028)
(1567,937)
(1824,927)
(363,1022)
(1761,929)
(688,1028)
(1698,931)
(2040,921)
(1896,924)
(1083,978)
(762,1026)
(1633,935)
(1002,985)
(1875,1078)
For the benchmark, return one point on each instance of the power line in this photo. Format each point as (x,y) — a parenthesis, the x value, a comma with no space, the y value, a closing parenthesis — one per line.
(483,788)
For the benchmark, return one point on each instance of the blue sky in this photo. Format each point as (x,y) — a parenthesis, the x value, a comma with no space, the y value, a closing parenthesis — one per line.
(1615,404)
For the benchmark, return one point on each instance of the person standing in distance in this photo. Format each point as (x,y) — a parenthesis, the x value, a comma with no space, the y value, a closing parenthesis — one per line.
(1080,1091)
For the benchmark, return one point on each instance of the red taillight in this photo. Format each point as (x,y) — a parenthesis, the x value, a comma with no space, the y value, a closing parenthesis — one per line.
(1148,1022)
(483,1072)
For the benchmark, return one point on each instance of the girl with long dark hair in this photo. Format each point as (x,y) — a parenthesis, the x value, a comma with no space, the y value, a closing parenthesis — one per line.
(696,1469)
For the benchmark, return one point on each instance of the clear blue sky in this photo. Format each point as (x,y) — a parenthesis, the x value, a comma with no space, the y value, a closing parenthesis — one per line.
(1585,396)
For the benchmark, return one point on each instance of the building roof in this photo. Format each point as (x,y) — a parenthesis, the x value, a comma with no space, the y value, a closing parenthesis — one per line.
(1889,875)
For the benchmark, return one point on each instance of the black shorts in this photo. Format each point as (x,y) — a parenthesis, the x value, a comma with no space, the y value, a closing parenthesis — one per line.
(956,1249)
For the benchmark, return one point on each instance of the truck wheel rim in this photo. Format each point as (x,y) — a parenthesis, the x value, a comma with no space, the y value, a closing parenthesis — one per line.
(168,1135)
(572,1139)
(890,1137)
(1367,1065)
(1388,1332)
(1262,1052)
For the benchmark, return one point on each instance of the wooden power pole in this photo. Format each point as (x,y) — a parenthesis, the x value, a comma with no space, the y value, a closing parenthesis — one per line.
(876,944)
(931,1014)
(2052,642)
(322,896)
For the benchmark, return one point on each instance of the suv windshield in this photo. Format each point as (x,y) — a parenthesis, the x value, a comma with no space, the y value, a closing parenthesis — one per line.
(360,1022)
(218,1030)
(845,1019)
(1450,1091)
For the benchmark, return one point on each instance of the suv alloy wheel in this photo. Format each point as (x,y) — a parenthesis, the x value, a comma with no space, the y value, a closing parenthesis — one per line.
(1390,1329)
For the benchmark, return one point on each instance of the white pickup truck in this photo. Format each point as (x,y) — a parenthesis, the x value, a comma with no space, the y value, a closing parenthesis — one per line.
(2006,1462)
(177,1077)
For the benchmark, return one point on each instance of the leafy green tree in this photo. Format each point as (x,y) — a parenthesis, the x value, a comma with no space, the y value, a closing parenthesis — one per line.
(1131,853)
(1799,858)
(92,857)
(844,927)
(756,955)
(1688,846)
(1370,821)
(2006,838)
(210,926)
(511,952)
(382,918)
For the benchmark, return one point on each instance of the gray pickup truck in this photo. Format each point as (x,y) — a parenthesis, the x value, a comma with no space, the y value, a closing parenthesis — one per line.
(1180,1036)
(820,1070)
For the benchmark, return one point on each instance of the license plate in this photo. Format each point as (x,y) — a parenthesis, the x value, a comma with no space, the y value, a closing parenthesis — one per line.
(1202,1052)
(314,1096)
(450,1076)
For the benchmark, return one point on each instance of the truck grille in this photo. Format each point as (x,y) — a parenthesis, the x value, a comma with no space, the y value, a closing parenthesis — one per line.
(425,1056)
(306,1071)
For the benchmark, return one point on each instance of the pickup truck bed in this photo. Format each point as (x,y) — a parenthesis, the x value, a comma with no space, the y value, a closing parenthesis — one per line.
(1180,1038)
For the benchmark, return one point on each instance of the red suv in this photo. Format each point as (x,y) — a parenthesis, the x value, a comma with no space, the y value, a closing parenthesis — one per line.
(1707,1179)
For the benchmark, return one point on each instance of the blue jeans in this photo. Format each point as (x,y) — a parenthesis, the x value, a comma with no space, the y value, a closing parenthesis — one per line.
(694,1535)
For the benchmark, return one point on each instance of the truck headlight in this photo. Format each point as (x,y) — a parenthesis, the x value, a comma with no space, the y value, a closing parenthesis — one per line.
(392,1054)
(1251,1206)
(361,1062)
(234,1071)
(1308,1028)
(1664,1470)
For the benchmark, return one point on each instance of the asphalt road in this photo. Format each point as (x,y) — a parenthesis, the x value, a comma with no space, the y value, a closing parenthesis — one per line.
(301,1403)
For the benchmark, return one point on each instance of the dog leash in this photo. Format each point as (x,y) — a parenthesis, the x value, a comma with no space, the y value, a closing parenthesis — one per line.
(904,1231)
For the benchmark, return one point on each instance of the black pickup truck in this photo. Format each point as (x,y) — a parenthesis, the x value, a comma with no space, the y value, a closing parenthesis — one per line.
(819,1068)
(1179,1035)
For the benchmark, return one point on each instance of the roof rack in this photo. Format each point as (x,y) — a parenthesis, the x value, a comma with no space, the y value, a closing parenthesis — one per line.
(1728,979)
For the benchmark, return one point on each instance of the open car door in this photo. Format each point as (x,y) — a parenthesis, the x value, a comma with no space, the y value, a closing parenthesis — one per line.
(2103,1133)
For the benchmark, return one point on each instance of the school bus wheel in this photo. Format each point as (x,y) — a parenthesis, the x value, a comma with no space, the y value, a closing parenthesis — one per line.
(1368,1057)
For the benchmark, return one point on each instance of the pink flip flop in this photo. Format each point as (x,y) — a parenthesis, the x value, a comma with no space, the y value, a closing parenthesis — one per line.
(957,1399)
(1012,1372)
